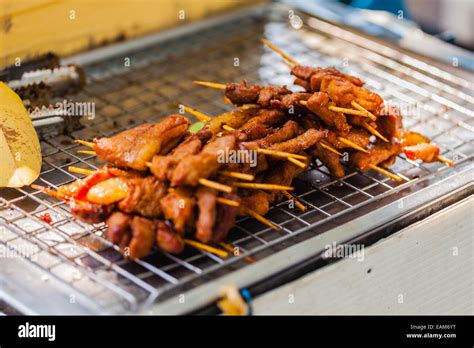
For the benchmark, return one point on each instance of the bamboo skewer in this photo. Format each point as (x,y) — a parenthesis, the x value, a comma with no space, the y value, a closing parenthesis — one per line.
(260,186)
(446,160)
(203,117)
(228,202)
(349,111)
(385,172)
(85,143)
(260,218)
(237,175)
(283,54)
(215,185)
(199,115)
(361,108)
(49,191)
(298,204)
(231,249)
(297,162)
(330,148)
(282,154)
(78,170)
(87,152)
(206,247)
(373,131)
(352,144)
(210,84)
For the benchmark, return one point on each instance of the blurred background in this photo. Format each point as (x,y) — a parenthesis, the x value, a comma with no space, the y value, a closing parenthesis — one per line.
(30,28)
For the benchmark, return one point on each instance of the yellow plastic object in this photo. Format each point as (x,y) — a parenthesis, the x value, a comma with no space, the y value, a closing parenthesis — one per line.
(20,152)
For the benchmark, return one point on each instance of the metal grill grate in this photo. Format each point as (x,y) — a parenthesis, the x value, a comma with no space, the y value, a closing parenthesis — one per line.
(158,79)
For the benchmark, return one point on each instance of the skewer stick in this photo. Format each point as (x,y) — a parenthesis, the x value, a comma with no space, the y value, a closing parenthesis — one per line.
(280,52)
(259,186)
(231,249)
(203,117)
(373,131)
(361,108)
(298,204)
(281,154)
(249,106)
(260,218)
(446,160)
(297,162)
(330,148)
(228,128)
(49,191)
(349,111)
(237,175)
(199,115)
(210,84)
(207,248)
(228,202)
(87,152)
(85,143)
(215,185)
(78,170)
(385,172)
(352,144)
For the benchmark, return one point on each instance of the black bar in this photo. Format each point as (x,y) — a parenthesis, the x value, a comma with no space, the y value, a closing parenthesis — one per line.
(291,330)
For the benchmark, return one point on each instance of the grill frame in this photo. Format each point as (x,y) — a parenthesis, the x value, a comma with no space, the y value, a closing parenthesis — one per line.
(378,209)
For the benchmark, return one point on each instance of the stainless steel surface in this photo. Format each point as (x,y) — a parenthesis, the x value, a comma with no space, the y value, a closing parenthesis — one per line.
(72,258)
(428,263)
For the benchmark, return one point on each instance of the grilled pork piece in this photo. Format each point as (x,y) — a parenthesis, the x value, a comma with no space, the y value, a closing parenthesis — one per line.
(234,119)
(258,201)
(178,206)
(138,234)
(259,125)
(143,237)
(310,78)
(330,159)
(242,93)
(226,220)
(90,212)
(287,101)
(144,196)
(167,239)
(162,167)
(341,88)
(378,154)
(204,164)
(118,227)
(133,232)
(135,147)
(288,131)
(390,122)
(357,136)
(207,202)
(299,143)
(319,103)
(342,92)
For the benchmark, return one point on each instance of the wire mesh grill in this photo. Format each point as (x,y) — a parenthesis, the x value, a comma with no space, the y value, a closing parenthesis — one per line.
(158,78)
